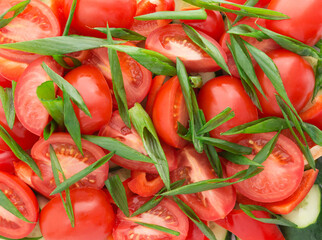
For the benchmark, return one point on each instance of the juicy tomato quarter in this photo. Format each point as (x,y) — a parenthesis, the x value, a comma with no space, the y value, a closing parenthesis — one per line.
(24,200)
(172,42)
(208,205)
(282,174)
(94,216)
(91,85)
(220,93)
(30,111)
(37,20)
(169,108)
(298,79)
(166,214)
(96,13)
(137,79)
(118,130)
(245,227)
(71,161)
(151,6)
(305,22)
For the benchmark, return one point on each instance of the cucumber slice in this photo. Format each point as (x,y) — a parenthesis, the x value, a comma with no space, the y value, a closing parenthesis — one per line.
(307,212)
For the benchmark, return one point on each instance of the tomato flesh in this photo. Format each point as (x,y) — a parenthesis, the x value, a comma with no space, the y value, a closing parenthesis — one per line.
(145,185)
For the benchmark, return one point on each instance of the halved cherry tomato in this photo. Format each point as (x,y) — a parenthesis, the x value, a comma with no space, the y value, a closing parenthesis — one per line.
(30,111)
(94,216)
(6,161)
(282,174)
(19,133)
(170,108)
(118,130)
(151,6)
(304,23)
(137,79)
(96,13)
(247,228)
(220,93)
(23,199)
(213,26)
(313,114)
(71,161)
(173,42)
(166,214)
(208,205)
(144,184)
(37,20)
(157,82)
(91,85)
(298,79)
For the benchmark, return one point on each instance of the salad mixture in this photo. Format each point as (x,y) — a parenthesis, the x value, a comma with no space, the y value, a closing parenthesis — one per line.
(160,119)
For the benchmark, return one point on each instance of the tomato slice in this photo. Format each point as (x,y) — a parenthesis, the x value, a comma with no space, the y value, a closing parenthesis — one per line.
(26,202)
(71,161)
(6,161)
(166,214)
(157,82)
(173,42)
(37,20)
(11,70)
(24,172)
(94,216)
(170,108)
(30,111)
(151,6)
(245,227)
(195,233)
(91,85)
(137,79)
(282,174)
(208,205)
(118,130)
(144,184)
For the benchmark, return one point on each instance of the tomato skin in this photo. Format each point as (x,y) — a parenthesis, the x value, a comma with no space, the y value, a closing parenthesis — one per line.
(71,161)
(313,114)
(298,79)
(208,205)
(118,130)
(195,233)
(91,85)
(282,174)
(223,92)
(169,108)
(247,228)
(142,185)
(6,161)
(23,198)
(37,19)
(30,111)
(94,216)
(172,42)
(137,79)
(166,214)
(304,24)
(213,26)
(95,13)
(157,83)
(151,6)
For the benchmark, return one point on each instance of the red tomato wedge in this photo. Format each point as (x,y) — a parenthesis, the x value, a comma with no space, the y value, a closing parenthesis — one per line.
(313,113)
(91,85)
(30,111)
(137,79)
(247,228)
(144,184)
(169,108)
(118,130)
(37,20)
(23,199)
(166,214)
(173,42)
(157,82)
(71,161)
(24,172)
(11,70)
(208,205)
(282,174)
(94,216)
(151,6)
